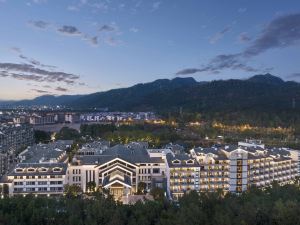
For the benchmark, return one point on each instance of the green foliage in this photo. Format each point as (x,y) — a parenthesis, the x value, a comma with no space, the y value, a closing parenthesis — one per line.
(72,191)
(158,193)
(273,206)
(42,136)
(141,188)
(91,186)
(67,133)
(155,135)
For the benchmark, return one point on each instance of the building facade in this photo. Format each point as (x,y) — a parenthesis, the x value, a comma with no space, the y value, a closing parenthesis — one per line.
(123,170)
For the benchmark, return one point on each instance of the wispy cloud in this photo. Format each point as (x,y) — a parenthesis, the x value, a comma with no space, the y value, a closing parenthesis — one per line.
(243,37)
(155,6)
(39,1)
(39,24)
(30,72)
(72,8)
(69,30)
(281,32)
(242,10)
(40,91)
(219,35)
(107,28)
(66,30)
(61,89)
(134,29)
(35,62)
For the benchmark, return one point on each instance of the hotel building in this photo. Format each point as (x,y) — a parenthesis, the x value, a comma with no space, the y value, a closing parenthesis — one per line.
(122,169)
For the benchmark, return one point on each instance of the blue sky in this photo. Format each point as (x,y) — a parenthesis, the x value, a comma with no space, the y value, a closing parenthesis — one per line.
(84,46)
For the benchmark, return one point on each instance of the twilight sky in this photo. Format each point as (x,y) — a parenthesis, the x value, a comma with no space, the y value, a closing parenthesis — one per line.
(84,46)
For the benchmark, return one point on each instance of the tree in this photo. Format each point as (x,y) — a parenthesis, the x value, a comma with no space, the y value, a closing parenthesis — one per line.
(141,188)
(41,136)
(67,133)
(91,186)
(72,190)
(5,190)
(157,193)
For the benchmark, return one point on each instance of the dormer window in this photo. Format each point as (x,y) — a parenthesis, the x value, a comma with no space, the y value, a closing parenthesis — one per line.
(57,169)
(176,161)
(19,170)
(190,161)
(43,169)
(31,170)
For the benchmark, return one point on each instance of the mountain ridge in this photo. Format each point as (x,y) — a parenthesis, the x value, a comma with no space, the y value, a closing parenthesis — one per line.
(259,92)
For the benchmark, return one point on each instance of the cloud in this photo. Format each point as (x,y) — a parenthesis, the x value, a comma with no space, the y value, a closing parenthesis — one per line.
(15,50)
(69,30)
(112,41)
(4,74)
(61,89)
(72,8)
(188,71)
(216,37)
(242,10)
(39,1)
(35,62)
(41,91)
(155,6)
(243,37)
(94,40)
(134,29)
(218,63)
(32,61)
(30,72)
(281,32)
(39,24)
(107,28)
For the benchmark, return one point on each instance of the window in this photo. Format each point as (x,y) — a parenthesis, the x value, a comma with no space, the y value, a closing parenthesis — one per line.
(57,169)
(190,161)
(156,170)
(176,161)
(42,183)
(43,169)
(30,183)
(19,170)
(55,182)
(30,170)
(42,189)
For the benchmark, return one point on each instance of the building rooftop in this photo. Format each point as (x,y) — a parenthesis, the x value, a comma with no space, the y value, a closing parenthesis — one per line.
(32,169)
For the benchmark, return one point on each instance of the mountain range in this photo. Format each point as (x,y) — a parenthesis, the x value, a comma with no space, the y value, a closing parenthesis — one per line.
(260,92)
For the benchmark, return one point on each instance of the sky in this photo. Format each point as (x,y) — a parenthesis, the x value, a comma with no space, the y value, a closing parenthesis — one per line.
(83,46)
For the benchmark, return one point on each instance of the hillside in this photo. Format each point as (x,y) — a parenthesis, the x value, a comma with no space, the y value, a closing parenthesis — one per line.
(258,93)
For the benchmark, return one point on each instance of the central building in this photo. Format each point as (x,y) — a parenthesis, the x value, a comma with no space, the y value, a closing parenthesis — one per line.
(119,169)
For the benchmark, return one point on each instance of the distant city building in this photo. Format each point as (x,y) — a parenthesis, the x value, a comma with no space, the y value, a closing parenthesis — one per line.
(15,136)
(117,116)
(43,119)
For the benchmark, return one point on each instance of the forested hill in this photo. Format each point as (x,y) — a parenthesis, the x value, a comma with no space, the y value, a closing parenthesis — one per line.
(260,92)
(265,93)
